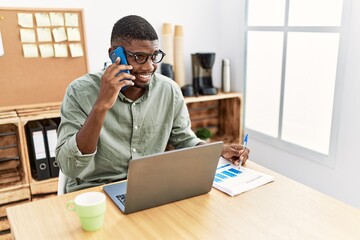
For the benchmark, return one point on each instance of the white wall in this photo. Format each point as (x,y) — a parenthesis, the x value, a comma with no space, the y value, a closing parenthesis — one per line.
(199,19)
(213,26)
(343,180)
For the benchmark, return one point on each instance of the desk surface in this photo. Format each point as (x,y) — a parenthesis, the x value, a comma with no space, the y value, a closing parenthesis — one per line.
(283,209)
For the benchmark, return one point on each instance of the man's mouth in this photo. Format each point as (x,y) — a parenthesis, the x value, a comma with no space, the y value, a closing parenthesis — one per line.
(143,77)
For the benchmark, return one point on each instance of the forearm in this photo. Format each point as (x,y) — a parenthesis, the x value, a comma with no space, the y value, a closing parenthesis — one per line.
(88,135)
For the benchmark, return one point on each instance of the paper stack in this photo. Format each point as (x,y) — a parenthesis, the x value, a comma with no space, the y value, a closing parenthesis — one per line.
(233,181)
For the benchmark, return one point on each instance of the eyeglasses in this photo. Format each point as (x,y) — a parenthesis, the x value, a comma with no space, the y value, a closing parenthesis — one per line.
(141,58)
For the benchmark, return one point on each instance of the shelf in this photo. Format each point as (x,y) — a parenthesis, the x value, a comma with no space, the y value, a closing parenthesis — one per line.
(220,113)
(218,96)
(47,186)
(14,193)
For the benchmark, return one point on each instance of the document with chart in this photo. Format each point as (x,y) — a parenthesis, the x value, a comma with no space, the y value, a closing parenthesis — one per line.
(233,181)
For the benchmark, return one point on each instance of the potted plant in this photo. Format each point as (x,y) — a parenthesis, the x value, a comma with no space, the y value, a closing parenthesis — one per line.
(203,133)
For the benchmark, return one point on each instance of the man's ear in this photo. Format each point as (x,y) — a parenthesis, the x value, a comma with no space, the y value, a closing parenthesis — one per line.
(110,50)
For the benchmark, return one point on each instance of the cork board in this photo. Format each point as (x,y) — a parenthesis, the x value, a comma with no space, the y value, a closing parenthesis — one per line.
(42,79)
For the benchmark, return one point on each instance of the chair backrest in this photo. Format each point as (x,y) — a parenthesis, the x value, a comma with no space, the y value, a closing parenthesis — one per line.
(62,180)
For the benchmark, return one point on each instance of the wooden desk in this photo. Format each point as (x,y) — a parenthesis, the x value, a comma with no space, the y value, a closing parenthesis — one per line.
(283,209)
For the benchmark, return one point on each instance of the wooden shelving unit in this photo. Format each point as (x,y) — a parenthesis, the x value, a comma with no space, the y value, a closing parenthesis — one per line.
(221,113)
(47,186)
(14,174)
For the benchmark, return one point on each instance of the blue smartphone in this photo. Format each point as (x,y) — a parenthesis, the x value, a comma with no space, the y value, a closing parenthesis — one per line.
(119,52)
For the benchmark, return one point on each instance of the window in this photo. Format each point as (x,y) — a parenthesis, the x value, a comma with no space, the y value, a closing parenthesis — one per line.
(292,66)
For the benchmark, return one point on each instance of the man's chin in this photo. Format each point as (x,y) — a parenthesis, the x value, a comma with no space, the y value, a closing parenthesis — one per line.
(142,85)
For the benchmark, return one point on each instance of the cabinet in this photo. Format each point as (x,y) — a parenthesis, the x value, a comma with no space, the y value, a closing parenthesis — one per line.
(221,113)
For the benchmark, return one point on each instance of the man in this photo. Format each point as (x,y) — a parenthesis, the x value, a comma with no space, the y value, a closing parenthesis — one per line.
(103,128)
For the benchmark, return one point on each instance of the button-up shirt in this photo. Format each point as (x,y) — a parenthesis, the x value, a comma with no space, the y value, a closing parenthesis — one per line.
(131,129)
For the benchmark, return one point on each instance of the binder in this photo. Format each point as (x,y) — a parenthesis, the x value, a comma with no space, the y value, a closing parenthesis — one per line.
(50,138)
(37,153)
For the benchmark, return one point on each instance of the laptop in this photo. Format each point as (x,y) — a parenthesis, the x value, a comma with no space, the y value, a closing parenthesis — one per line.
(166,177)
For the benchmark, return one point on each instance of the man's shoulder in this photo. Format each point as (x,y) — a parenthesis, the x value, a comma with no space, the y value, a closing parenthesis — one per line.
(87,79)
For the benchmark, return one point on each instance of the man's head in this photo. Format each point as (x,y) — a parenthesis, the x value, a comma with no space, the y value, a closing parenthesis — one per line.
(130,28)
(141,45)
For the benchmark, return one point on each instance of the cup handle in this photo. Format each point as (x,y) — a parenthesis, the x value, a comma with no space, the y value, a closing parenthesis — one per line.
(70,205)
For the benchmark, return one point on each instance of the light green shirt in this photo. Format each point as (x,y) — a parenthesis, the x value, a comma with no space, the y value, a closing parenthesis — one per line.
(131,129)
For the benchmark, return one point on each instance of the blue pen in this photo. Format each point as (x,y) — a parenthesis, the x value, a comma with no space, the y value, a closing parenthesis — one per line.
(245,145)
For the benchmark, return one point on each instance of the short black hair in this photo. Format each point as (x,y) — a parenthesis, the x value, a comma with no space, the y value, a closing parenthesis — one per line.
(130,28)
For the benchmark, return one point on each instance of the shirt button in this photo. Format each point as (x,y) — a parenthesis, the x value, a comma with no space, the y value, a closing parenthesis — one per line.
(134,150)
(136,127)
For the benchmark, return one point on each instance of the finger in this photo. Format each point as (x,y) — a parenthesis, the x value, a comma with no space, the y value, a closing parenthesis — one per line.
(126,82)
(121,76)
(244,157)
(116,67)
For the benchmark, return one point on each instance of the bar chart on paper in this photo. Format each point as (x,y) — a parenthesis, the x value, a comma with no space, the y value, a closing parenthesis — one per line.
(232,180)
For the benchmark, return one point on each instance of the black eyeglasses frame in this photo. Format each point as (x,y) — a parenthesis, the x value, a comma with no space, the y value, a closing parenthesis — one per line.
(152,56)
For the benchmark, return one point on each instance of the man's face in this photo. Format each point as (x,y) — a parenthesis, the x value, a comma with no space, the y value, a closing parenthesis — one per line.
(142,71)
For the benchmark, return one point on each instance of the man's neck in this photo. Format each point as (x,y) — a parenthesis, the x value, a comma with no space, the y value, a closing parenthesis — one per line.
(134,93)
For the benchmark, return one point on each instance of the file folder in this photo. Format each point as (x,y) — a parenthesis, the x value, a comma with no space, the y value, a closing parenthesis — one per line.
(37,153)
(50,137)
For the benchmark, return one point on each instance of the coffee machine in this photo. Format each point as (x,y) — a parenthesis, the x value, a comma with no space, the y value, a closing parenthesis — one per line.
(202,64)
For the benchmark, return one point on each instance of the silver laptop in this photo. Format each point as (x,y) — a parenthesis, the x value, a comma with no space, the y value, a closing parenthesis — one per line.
(166,177)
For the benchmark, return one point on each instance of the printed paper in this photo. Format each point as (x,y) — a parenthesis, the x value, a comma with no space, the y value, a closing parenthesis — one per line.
(233,181)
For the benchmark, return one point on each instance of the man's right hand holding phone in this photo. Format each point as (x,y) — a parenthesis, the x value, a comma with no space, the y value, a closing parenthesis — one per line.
(112,82)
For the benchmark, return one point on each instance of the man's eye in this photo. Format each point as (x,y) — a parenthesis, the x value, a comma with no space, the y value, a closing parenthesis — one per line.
(140,57)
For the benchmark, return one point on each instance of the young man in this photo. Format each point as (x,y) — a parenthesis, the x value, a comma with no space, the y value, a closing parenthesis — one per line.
(103,127)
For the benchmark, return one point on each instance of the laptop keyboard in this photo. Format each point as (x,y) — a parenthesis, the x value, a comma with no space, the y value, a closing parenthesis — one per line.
(121,198)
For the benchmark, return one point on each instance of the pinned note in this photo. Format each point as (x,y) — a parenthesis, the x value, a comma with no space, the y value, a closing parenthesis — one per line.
(42,20)
(30,50)
(25,20)
(2,52)
(71,19)
(73,34)
(44,34)
(46,50)
(27,35)
(76,50)
(59,34)
(56,19)
(60,50)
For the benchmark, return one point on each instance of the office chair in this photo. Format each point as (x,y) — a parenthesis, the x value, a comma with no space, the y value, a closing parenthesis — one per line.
(62,181)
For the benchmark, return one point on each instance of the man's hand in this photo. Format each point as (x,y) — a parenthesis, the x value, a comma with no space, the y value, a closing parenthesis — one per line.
(235,153)
(112,82)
